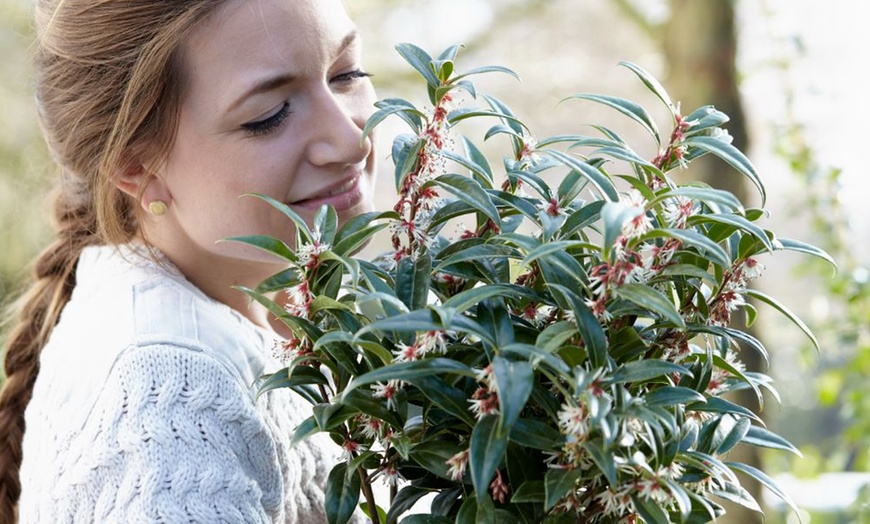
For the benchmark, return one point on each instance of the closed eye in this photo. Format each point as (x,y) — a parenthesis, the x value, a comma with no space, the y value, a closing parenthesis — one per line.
(351,76)
(268,124)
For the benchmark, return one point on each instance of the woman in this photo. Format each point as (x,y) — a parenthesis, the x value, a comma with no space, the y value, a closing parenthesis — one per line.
(161,113)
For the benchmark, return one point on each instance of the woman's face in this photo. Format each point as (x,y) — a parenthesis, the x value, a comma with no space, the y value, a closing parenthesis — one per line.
(274,102)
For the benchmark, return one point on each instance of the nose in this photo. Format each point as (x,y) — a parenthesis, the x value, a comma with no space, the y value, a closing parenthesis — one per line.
(337,122)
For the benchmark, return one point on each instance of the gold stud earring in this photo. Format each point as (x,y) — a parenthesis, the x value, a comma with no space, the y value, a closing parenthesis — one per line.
(157,207)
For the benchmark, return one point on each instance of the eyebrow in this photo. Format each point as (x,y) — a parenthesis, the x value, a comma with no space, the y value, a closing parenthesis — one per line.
(274,82)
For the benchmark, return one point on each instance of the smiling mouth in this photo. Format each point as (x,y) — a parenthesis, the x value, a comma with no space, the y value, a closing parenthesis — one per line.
(341,196)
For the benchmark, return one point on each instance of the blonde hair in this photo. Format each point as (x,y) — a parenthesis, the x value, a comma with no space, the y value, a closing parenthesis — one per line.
(108,85)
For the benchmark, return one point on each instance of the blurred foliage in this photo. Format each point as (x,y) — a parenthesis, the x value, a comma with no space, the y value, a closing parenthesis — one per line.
(24,165)
(844,329)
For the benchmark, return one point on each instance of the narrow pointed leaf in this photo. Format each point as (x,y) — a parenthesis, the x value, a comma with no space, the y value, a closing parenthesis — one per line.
(765,481)
(627,108)
(796,245)
(487,450)
(470,192)
(770,301)
(732,155)
(515,381)
(652,300)
(419,60)
(342,494)
(652,84)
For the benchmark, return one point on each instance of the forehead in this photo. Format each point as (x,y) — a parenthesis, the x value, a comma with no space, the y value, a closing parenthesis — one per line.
(244,39)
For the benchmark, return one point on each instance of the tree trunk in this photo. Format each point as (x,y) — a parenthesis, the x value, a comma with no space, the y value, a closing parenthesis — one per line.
(700,46)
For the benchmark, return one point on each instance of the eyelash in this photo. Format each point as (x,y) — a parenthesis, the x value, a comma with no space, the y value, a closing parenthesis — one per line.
(269,124)
(272,123)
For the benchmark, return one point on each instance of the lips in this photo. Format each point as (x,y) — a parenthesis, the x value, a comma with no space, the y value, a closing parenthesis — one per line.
(342,195)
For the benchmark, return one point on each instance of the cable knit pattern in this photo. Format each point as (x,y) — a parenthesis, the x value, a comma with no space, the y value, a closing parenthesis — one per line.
(144,411)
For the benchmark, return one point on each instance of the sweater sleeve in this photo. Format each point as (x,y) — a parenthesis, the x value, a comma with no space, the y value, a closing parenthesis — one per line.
(173,437)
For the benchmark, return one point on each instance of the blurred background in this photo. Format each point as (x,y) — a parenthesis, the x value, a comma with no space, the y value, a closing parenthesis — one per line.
(789,74)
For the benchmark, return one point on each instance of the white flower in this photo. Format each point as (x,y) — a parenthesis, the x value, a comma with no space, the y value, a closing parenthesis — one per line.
(458,464)
(751,269)
(654,490)
(308,253)
(432,342)
(387,391)
(616,503)
(677,211)
(572,421)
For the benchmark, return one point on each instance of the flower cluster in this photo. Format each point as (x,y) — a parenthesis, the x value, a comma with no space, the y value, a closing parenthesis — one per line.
(564,355)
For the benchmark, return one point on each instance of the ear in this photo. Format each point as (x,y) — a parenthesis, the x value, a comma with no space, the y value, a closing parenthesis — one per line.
(141,185)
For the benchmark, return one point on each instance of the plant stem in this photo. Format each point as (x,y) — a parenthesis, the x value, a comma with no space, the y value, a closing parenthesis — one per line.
(370,497)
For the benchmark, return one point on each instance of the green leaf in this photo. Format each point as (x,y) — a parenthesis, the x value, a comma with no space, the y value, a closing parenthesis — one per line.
(555,335)
(426,519)
(445,396)
(736,221)
(737,494)
(615,215)
(627,108)
(329,416)
(765,481)
(688,270)
(412,281)
(433,455)
(514,381)
(479,252)
(652,84)
(382,515)
(673,396)
(268,244)
(643,370)
(381,114)
(652,300)
(470,297)
(486,69)
(410,371)
(769,300)
(600,180)
(301,226)
(547,249)
(326,223)
(488,445)
(694,239)
(530,491)
(801,247)
(405,499)
(475,162)
(304,430)
(650,510)
(557,484)
(720,405)
(354,233)
(730,154)
(763,438)
(342,494)
(705,194)
(735,436)
(419,60)
(588,326)
(297,376)
(603,458)
(470,191)
(535,434)
(405,159)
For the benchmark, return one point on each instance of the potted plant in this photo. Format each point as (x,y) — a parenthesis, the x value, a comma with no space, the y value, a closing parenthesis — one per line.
(566,356)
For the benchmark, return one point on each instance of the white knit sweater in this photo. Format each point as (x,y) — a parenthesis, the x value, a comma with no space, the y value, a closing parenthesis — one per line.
(144,410)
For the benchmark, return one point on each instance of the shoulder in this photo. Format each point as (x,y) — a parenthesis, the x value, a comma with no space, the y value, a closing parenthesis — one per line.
(172,433)
(127,307)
